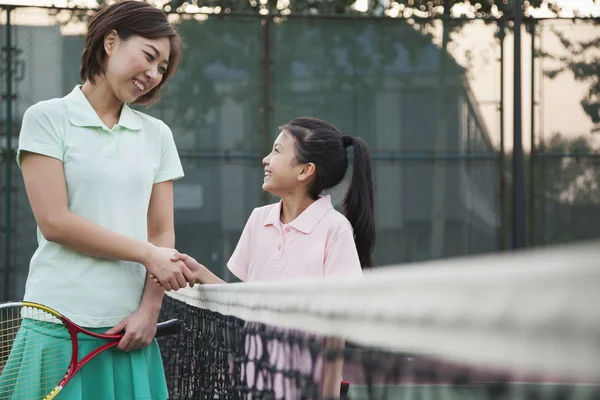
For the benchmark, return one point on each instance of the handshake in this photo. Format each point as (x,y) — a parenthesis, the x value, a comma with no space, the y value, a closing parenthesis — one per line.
(171,269)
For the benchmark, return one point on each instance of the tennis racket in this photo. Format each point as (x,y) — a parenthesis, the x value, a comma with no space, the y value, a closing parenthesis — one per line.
(21,375)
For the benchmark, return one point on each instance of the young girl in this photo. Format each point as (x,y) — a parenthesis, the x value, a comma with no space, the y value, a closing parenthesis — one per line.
(303,236)
(99,179)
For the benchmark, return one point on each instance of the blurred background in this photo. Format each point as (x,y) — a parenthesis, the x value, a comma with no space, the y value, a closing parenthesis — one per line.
(430,85)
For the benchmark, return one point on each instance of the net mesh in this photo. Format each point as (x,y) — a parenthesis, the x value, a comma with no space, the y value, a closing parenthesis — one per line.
(518,326)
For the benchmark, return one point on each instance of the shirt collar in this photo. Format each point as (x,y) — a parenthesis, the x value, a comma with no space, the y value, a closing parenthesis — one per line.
(306,221)
(81,112)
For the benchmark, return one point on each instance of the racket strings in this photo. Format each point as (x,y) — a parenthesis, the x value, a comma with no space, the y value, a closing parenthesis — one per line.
(35,352)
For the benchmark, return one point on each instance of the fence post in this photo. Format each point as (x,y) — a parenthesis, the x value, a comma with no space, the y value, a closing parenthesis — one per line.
(532,155)
(7,97)
(502,158)
(518,214)
(266,67)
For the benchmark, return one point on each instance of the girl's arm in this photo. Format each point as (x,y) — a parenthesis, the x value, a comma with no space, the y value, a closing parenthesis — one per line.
(202,274)
(332,368)
(341,260)
(47,191)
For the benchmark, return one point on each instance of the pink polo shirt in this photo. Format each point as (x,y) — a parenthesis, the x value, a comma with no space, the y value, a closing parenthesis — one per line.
(319,243)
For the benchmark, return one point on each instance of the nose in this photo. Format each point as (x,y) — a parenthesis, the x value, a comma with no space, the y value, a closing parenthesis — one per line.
(152,75)
(266,161)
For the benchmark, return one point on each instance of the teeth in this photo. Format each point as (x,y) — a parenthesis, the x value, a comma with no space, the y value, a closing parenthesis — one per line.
(139,84)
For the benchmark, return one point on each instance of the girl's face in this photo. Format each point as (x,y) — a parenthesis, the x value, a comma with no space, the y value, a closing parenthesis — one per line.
(283,175)
(135,66)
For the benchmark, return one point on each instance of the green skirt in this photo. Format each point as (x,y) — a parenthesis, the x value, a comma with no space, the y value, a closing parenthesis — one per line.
(111,375)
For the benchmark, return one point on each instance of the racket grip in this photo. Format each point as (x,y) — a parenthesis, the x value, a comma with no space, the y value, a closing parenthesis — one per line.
(344,390)
(169,327)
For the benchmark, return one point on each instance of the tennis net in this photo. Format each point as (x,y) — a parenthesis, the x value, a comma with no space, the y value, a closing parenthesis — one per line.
(514,326)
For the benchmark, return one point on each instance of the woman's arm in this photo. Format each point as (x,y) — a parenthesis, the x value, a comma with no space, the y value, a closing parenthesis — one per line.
(140,327)
(47,191)
(161,233)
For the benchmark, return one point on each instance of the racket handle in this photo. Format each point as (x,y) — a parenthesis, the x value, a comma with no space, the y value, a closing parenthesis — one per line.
(344,389)
(169,327)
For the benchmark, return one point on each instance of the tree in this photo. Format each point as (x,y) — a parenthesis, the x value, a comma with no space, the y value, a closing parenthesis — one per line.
(567,190)
(572,188)
(583,61)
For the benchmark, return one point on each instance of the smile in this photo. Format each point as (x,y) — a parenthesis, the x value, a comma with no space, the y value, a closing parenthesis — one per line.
(139,84)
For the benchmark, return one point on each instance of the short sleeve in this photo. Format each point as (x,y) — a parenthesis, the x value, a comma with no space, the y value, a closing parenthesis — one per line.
(170,164)
(341,257)
(239,262)
(40,135)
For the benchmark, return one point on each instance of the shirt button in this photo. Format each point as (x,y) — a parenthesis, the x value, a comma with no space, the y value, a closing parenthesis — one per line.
(278,248)
(287,230)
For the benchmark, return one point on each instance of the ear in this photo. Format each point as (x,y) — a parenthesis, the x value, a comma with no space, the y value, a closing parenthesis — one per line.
(110,41)
(307,172)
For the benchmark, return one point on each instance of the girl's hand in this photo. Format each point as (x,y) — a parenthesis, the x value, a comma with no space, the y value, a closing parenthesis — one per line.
(189,262)
(171,275)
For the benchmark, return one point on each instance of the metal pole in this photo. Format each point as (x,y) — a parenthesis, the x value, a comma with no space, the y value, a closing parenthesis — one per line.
(518,202)
(502,161)
(266,109)
(542,190)
(532,158)
(439,182)
(8,167)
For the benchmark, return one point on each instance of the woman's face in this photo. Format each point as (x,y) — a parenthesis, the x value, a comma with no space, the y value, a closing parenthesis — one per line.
(135,66)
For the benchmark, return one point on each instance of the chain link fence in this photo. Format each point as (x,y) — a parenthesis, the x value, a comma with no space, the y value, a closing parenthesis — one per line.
(430,100)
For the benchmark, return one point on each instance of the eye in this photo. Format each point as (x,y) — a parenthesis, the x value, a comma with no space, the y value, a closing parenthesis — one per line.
(149,56)
(162,70)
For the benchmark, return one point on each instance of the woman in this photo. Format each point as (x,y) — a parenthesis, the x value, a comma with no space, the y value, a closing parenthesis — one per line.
(99,179)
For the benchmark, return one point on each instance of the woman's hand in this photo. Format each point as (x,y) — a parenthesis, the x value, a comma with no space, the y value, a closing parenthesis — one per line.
(139,327)
(171,275)
(202,274)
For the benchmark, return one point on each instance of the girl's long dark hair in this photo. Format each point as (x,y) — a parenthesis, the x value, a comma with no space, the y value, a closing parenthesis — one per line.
(322,144)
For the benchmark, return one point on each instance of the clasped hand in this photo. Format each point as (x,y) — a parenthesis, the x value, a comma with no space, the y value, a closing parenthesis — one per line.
(169,273)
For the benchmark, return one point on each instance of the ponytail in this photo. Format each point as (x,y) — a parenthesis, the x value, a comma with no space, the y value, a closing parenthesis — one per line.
(359,204)
(322,144)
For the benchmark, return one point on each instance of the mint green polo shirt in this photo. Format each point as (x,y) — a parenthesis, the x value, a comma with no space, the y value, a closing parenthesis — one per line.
(109,175)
